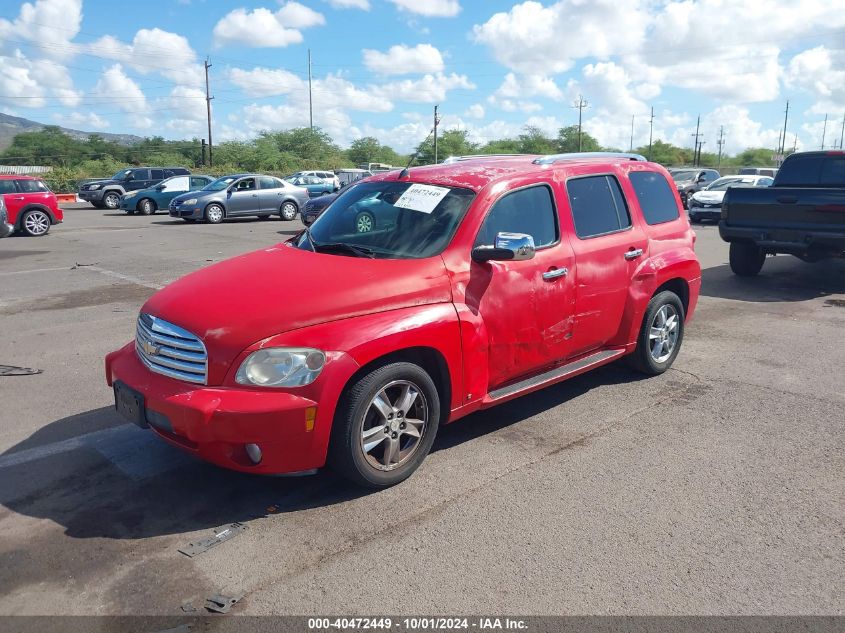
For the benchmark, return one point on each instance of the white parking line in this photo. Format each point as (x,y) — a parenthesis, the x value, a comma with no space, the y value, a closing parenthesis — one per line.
(34,270)
(129,278)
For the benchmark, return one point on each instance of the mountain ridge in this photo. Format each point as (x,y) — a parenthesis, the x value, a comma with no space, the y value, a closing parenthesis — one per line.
(10,126)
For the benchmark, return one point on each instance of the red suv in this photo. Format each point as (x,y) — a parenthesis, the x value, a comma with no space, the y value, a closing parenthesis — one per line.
(30,205)
(473,283)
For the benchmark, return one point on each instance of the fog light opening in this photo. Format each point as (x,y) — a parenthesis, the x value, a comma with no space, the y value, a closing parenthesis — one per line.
(253,451)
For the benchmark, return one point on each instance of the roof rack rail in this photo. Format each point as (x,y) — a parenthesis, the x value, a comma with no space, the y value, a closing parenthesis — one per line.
(456,159)
(550,159)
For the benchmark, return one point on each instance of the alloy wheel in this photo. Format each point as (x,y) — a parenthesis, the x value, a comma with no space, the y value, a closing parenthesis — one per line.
(36,223)
(663,334)
(393,425)
(364,223)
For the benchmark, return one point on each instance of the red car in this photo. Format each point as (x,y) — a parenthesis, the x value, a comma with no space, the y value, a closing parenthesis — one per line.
(30,205)
(474,283)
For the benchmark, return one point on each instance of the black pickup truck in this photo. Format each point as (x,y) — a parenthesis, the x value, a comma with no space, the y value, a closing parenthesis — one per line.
(801,214)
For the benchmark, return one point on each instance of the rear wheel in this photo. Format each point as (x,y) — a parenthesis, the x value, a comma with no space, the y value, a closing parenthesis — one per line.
(288,211)
(111,200)
(385,425)
(35,223)
(214,213)
(746,259)
(147,207)
(661,335)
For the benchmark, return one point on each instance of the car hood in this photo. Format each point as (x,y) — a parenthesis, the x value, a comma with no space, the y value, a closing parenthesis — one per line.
(324,200)
(104,181)
(246,299)
(709,196)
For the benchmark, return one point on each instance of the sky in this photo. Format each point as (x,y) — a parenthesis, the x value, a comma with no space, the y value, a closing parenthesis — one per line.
(380,66)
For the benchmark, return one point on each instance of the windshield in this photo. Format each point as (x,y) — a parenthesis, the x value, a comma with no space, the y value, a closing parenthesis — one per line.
(722,184)
(679,176)
(220,183)
(389,219)
(122,174)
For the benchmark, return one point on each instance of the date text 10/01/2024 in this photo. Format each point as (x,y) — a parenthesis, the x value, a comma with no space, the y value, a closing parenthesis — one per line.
(417,624)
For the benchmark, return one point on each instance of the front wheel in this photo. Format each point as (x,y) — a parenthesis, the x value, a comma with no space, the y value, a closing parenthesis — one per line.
(385,425)
(288,211)
(111,200)
(146,207)
(661,335)
(746,259)
(214,214)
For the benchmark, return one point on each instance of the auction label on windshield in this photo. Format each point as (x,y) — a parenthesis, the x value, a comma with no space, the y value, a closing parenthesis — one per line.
(421,198)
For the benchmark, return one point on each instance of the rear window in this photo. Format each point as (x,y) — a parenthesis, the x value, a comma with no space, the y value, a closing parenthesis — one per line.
(32,186)
(598,206)
(815,170)
(656,199)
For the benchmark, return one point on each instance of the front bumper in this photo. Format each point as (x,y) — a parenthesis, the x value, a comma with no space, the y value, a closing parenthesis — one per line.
(128,204)
(215,423)
(91,196)
(713,212)
(181,211)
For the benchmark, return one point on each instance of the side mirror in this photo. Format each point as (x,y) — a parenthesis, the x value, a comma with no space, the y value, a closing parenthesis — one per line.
(701,179)
(160,188)
(515,247)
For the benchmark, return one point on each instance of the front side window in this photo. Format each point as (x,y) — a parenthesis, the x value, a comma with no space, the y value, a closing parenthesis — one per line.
(389,219)
(530,211)
(220,184)
(178,183)
(656,198)
(598,206)
(246,184)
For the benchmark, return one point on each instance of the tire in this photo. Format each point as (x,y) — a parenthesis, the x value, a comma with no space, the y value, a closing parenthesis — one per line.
(263,217)
(660,337)
(693,218)
(288,211)
(364,222)
(746,259)
(97,205)
(214,213)
(147,206)
(35,223)
(358,412)
(111,200)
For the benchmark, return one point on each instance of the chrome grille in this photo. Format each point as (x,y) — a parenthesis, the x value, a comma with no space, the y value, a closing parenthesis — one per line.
(169,350)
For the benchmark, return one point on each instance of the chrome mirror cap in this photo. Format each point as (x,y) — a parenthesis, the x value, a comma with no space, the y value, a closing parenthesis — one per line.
(520,244)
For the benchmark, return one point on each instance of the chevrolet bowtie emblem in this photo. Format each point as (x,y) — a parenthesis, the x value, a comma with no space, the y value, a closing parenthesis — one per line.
(150,349)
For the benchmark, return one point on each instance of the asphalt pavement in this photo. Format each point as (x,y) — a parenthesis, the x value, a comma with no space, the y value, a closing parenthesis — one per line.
(716,488)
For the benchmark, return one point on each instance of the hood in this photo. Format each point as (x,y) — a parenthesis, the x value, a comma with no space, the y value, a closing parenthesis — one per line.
(709,196)
(243,300)
(198,193)
(104,181)
(324,200)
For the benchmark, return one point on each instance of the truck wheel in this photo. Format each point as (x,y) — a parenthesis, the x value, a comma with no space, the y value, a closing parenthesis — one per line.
(214,213)
(746,259)
(661,335)
(146,207)
(288,211)
(385,425)
(111,200)
(35,223)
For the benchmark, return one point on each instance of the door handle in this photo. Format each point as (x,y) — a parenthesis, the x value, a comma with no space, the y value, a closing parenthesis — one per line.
(633,253)
(555,273)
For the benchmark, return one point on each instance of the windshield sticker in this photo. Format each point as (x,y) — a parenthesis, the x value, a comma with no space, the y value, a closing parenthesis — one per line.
(421,198)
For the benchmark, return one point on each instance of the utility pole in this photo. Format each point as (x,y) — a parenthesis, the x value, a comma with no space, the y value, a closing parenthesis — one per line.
(650,131)
(720,143)
(310,101)
(842,133)
(795,144)
(700,147)
(632,133)
(824,130)
(696,136)
(208,99)
(580,104)
(782,147)
(436,123)
(203,153)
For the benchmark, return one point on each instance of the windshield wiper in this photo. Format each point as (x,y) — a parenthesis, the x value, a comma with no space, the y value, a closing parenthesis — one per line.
(354,249)
(311,241)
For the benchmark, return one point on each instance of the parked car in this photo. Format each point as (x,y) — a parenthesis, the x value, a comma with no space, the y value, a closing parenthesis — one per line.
(239,195)
(353,348)
(801,214)
(758,171)
(106,193)
(150,200)
(315,206)
(6,229)
(315,186)
(345,176)
(328,177)
(688,181)
(31,208)
(707,203)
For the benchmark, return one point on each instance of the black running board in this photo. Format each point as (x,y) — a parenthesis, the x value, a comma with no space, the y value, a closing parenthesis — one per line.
(558,373)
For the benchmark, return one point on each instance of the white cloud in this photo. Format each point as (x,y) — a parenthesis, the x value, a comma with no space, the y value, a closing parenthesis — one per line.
(27,82)
(264,28)
(430,8)
(427,89)
(476,111)
(130,99)
(53,23)
(85,121)
(511,105)
(350,4)
(403,60)
(525,86)
(265,82)
(821,72)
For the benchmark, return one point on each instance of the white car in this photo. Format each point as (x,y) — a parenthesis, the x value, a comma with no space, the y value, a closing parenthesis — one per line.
(326,176)
(707,203)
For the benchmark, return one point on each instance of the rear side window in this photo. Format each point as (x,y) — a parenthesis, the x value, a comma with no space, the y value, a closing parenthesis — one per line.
(198,183)
(800,170)
(833,171)
(156,174)
(655,197)
(530,211)
(32,186)
(267,182)
(598,206)
(7,186)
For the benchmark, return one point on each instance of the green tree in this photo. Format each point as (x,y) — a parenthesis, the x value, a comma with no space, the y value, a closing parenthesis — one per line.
(501,146)
(567,140)
(450,143)
(754,157)
(534,141)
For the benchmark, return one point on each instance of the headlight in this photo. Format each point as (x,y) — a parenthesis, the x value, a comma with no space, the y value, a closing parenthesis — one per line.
(281,367)
(129,194)
(189,201)
(92,187)
(693,202)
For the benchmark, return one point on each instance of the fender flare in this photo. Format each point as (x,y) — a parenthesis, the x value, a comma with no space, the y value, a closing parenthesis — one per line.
(30,207)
